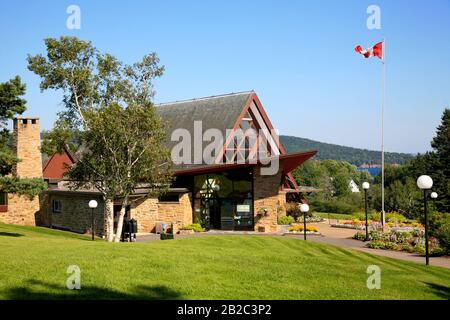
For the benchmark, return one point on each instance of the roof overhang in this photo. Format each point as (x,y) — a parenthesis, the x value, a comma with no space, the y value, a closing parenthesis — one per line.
(289,163)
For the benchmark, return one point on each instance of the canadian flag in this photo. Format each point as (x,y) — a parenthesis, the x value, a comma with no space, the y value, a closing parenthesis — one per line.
(377,51)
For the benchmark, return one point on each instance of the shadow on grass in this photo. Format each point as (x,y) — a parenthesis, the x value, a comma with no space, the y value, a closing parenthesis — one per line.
(439,290)
(40,290)
(11,234)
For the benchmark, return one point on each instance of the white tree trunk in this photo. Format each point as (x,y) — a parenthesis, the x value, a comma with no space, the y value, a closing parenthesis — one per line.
(120,222)
(109,215)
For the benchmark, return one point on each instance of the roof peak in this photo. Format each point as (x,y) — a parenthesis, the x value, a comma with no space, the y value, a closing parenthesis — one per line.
(205,98)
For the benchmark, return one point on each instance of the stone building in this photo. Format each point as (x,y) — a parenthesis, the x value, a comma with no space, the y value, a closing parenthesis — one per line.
(230,191)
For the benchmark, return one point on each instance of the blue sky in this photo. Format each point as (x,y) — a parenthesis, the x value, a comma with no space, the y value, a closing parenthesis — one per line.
(297,55)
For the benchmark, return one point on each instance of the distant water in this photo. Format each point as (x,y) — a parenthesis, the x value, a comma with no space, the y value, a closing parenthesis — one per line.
(373,171)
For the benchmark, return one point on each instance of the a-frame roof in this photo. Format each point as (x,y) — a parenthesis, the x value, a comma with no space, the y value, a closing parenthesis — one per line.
(215,112)
(223,112)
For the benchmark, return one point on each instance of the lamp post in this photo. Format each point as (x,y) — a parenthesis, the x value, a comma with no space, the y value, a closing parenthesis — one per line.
(92,204)
(425,183)
(304,208)
(366,187)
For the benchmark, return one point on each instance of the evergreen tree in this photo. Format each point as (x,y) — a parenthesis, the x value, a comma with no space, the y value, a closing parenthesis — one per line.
(441,162)
(11,105)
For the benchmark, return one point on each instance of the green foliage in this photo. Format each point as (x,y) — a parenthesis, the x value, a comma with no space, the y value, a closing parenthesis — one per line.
(7,160)
(23,187)
(440,228)
(196,227)
(11,105)
(385,245)
(286,220)
(124,148)
(63,136)
(359,235)
(329,151)
(334,206)
(402,193)
(333,178)
(109,112)
(90,79)
(395,217)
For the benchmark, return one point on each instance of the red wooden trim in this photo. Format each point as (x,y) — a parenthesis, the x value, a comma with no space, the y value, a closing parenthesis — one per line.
(222,167)
(236,124)
(267,121)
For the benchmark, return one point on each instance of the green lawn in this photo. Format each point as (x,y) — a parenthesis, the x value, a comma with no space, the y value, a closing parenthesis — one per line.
(33,263)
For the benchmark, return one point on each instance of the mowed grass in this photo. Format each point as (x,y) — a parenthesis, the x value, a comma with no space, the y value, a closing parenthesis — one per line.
(33,264)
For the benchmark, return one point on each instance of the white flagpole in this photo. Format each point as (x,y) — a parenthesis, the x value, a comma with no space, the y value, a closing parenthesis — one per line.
(382,137)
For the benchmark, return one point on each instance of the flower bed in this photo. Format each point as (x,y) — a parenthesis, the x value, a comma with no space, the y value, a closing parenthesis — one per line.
(311,219)
(374,225)
(410,240)
(299,229)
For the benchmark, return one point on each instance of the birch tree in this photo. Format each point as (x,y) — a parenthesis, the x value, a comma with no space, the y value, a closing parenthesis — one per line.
(95,84)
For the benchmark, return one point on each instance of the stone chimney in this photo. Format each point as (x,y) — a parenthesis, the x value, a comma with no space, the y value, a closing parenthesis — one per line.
(27,143)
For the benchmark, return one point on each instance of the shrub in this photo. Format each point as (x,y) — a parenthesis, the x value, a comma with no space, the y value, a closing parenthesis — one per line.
(286,220)
(385,245)
(333,207)
(194,226)
(359,235)
(395,217)
(312,218)
(443,235)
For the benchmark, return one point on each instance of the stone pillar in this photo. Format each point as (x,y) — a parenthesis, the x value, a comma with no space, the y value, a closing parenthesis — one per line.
(267,202)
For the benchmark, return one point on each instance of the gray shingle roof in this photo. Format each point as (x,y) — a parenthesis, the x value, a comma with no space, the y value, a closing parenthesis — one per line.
(219,112)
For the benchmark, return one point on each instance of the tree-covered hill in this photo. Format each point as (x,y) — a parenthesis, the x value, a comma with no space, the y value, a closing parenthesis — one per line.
(328,151)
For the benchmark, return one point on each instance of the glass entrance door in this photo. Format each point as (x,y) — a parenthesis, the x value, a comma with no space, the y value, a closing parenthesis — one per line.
(224,200)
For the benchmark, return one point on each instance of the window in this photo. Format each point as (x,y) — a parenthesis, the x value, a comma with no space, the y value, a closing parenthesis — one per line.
(168,198)
(3,202)
(3,199)
(57,206)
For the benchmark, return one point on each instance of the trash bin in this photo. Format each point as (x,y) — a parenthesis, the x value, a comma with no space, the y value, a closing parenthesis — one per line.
(129,230)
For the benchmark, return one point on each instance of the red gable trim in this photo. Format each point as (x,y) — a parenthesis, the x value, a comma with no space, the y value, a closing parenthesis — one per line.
(290,162)
(246,108)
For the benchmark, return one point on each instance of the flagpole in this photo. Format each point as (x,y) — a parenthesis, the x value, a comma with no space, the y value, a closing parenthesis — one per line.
(382,136)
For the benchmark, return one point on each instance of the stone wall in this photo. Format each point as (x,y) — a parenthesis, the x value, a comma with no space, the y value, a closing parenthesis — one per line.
(268,200)
(149,211)
(179,212)
(21,211)
(145,211)
(75,214)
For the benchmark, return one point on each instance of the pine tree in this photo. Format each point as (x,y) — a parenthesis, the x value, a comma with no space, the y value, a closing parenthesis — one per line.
(441,165)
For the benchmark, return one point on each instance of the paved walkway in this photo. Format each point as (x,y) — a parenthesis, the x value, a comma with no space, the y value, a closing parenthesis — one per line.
(342,238)
(339,237)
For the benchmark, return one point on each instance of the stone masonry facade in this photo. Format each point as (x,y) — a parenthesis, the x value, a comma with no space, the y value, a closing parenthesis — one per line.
(72,211)
(26,136)
(149,211)
(269,201)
